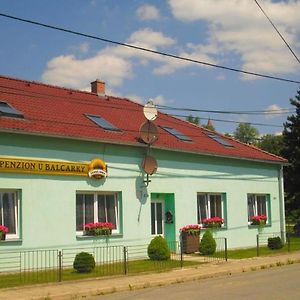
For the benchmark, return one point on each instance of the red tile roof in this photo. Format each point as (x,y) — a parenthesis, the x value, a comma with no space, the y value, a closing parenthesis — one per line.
(55,111)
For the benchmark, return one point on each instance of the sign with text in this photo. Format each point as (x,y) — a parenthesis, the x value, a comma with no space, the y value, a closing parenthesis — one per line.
(18,165)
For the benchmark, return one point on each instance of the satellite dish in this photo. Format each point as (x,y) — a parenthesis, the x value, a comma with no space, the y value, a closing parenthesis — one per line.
(150,111)
(149,165)
(149,132)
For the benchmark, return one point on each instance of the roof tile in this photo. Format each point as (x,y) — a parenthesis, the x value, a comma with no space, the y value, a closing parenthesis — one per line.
(57,111)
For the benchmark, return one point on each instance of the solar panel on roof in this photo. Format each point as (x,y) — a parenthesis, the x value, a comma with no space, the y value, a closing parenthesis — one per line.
(8,111)
(103,123)
(220,140)
(176,133)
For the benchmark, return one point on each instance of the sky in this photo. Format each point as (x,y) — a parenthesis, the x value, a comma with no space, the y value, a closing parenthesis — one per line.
(231,33)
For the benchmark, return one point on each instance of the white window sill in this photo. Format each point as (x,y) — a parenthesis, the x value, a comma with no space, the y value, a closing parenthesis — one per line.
(10,240)
(92,237)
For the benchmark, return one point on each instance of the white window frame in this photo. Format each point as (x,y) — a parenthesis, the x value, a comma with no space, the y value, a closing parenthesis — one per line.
(16,211)
(207,206)
(155,201)
(255,207)
(96,194)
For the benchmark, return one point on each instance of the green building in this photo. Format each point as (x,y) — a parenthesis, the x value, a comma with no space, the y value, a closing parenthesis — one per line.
(69,158)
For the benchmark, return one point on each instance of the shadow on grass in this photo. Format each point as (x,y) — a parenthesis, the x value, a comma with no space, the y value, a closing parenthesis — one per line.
(52,275)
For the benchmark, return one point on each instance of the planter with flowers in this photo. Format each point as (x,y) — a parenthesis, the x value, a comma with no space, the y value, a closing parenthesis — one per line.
(99,228)
(190,236)
(215,222)
(3,232)
(259,220)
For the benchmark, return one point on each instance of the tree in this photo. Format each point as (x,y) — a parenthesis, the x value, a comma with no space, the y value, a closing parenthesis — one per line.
(246,133)
(271,143)
(194,120)
(291,150)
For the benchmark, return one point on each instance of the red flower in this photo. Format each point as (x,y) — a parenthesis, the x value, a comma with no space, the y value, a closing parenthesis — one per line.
(3,229)
(191,229)
(259,218)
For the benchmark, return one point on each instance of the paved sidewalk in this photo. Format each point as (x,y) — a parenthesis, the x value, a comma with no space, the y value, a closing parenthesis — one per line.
(90,287)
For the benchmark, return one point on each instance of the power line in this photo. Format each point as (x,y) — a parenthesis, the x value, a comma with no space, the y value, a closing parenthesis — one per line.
(277,31)
(232,121)
(244,112)
(69,98)
(115,106)
(148,50)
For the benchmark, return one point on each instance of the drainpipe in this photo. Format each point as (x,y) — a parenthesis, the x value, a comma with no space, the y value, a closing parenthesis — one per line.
(281,204)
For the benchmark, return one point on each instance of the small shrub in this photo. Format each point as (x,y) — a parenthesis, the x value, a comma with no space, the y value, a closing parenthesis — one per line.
(275,243)
(84,262)
(297,228)
(208,244)
(158,249)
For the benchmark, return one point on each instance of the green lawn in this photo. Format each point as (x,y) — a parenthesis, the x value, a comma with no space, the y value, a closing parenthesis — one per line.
(138,266)
(264,250)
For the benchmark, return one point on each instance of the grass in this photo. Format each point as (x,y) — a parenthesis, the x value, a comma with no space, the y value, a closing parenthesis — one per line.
(263,251)
(137,266)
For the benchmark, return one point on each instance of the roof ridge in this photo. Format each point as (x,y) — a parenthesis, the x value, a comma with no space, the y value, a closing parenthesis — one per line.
(45,84)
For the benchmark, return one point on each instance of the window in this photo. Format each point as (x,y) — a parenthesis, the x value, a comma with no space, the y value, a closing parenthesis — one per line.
(103,123)
(96,207)
(220,140)
(209,206)
(9,215)
(8,111)
(157,219)
(176,133)
(258,204)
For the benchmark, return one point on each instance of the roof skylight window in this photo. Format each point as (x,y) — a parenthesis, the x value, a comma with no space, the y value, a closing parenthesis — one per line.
(176,133)
(220,140)
(9,111)
(103,123)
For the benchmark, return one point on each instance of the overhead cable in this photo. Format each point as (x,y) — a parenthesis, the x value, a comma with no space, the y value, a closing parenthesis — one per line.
(286,43)
(165,54)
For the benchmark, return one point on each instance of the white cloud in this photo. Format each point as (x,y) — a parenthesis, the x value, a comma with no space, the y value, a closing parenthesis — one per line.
(239,27)
(150,39)
(159,100)
(112,64)
(68,71)
(148,12)
(274,111)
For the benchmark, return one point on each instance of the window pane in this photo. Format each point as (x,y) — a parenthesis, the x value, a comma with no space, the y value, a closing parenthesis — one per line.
(202,208)
(101,209)
(152,218)
(261,205)
(215,206)
(9,204)
(79,212)
(159,218)
(111,210)
(251,207)
(88,208)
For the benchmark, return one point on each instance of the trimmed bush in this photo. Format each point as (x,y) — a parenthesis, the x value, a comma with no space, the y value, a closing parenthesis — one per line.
(208,244)
(158,249)
(275,243)
(84,262)
(297,228)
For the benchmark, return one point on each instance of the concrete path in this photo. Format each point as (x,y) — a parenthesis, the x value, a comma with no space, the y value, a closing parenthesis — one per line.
(100,286)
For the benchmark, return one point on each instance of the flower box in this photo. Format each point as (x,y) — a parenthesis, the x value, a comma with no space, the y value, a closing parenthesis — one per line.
(190,237)
(3,232)
(259,220)
(215,222)
(99,228)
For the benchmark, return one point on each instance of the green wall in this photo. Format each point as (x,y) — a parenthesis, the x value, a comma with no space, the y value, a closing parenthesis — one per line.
(48,202)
